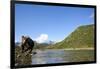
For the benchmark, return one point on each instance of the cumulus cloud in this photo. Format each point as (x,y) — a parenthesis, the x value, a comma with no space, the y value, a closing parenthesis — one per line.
(42,38)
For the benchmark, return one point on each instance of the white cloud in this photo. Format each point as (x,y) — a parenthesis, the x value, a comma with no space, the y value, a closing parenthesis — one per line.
(42,38)
(91,16)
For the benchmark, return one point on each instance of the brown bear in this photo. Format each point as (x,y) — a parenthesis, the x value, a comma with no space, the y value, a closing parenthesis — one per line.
(27,42)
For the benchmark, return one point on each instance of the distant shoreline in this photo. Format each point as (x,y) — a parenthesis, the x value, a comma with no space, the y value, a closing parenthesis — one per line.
(68,49)
(80,49)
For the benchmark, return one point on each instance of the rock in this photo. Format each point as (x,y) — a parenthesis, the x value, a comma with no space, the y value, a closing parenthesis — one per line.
(21,58)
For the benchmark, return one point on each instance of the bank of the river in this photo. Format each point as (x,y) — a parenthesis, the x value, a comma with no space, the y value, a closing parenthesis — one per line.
(67,49)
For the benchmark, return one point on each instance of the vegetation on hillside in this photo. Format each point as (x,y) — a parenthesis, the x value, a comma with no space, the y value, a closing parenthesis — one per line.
(82,37)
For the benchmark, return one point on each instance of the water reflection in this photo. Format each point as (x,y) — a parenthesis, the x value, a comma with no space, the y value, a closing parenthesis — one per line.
(61,56)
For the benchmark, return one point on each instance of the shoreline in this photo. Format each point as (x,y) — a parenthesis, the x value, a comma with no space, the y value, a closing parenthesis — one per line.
(68,49)
(80,49)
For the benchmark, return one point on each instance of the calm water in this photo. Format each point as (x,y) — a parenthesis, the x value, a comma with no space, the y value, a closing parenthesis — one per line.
(62,56)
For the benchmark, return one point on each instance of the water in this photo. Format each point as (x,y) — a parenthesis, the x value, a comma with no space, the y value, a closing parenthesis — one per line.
(62,56)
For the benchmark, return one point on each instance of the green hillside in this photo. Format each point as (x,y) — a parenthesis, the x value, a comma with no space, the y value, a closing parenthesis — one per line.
(82,37)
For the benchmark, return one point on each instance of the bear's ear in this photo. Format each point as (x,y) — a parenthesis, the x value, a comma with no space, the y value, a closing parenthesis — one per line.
(23,36)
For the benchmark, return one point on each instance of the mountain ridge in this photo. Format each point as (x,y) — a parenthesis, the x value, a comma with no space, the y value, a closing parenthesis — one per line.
(82,37)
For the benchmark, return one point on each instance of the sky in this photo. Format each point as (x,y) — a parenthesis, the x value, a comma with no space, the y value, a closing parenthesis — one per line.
(54,23)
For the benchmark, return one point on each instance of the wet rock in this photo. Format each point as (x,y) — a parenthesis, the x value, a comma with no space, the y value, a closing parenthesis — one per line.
(22,58)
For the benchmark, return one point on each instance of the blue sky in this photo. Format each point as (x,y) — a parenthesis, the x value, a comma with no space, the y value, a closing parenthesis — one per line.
(43,23)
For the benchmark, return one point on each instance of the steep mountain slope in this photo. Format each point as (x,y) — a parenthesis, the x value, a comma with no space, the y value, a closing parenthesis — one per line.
(82,37)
